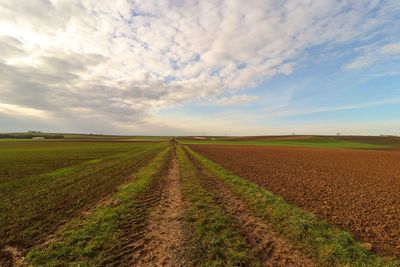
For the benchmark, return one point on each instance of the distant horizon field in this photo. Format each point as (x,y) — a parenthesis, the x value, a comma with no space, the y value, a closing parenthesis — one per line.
(309,141)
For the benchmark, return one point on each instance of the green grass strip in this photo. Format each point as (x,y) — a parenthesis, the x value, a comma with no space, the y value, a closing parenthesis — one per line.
(311,143)
(82,241)
(328,245)
(213,239)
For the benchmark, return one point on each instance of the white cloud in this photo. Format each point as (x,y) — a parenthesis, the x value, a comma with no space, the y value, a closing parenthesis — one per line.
(234,100)
(122,59)
(373,54)
(19,111)
(360,62)
(390,49)
(288,111)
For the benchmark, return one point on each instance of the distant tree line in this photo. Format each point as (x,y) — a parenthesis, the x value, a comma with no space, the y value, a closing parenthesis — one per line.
(30,136)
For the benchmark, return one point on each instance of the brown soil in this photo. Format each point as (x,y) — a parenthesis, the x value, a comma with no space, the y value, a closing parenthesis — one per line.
(355,189)
(16,256)
(163,235)
(11,256)
(271,137)
(272,250)
(152,234)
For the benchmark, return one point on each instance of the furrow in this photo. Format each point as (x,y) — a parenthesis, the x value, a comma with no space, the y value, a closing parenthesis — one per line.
(272,250)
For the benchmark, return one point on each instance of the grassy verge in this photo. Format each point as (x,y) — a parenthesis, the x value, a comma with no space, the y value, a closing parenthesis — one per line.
(213,240)
(83,241)
(328,245)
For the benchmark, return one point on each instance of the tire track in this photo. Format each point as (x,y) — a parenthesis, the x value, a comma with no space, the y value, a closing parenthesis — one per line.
(163,237)
(152,231)
(132,226)
(272,250)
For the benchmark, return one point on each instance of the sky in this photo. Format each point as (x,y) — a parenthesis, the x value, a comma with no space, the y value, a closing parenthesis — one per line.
(212,67)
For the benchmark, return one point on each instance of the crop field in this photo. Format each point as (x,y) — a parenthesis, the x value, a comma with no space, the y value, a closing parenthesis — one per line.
(109,201)
(44,183)
(355,189)
(27,158)
(350,142)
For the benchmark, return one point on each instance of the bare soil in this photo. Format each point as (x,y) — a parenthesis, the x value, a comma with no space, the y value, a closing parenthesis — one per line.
(152,232)
(163,238)
(11,256)
(271,249)
(355,189)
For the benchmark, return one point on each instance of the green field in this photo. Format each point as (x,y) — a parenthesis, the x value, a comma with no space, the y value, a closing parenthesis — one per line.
(79,136)
(316,142)
(96,238)
(57,179)
(26,158)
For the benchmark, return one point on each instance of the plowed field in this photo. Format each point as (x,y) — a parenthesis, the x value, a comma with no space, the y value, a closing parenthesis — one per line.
(354,189)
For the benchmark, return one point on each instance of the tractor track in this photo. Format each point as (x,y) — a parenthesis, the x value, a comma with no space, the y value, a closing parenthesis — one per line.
(133,225)
(163,239)
(152,232)
(272,250)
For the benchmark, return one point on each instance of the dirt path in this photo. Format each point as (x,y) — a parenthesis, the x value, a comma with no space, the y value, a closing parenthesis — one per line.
(163,235)
(272,249)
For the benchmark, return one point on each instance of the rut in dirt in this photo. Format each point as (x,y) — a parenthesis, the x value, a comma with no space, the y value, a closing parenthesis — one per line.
(271,249)
(163,238)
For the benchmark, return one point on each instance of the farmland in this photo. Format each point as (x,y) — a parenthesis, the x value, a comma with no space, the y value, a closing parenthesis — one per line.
(350,142)
(27,158)
(146,201)
(186,133)
(59,180)
(356,190)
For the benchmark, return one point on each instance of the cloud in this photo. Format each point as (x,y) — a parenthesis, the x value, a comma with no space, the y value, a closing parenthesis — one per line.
(121,60)
(287,111)
(373,54)
(18,111)
(360,62)
(390,49)
(234,100)
(10,47)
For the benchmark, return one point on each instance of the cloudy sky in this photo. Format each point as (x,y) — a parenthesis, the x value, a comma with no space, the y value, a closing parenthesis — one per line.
(192,67)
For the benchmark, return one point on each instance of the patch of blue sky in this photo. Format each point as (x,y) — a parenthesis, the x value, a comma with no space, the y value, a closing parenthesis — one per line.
(386,112)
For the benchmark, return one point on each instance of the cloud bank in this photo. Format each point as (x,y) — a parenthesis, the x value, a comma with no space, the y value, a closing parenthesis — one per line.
(116,62)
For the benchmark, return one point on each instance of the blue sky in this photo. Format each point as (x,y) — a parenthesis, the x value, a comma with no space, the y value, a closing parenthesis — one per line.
(188,68)
(320,97)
